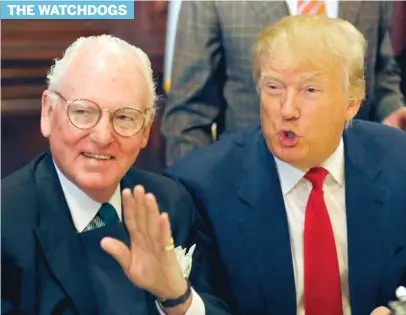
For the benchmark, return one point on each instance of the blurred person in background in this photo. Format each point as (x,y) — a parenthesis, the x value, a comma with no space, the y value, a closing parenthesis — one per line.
(398,36)
(211,90)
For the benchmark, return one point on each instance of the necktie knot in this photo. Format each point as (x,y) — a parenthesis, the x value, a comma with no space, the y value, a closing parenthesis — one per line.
(316,176)
(108,214)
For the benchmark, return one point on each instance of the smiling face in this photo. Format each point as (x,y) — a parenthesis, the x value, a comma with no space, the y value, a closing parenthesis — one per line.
(96,159)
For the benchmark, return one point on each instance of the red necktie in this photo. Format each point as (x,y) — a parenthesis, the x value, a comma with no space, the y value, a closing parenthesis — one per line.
(322,288)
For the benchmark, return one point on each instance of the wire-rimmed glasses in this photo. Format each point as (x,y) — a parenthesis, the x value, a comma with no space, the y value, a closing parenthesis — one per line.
(85,114)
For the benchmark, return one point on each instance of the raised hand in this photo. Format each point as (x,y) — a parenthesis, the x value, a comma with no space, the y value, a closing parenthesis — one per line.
(150,262)
(397,119)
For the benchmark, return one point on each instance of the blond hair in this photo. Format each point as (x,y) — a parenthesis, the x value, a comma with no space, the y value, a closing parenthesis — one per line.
(57,70)
(316,40)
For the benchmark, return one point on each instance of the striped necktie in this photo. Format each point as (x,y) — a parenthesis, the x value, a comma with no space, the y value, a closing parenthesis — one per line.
(105,216)
(312,7)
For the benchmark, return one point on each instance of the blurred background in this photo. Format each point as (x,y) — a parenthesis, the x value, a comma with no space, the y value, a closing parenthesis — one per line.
(29,47)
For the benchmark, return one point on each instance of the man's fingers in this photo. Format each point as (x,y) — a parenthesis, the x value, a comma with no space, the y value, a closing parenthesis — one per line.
(140,213)
(165,230)
(152,219)
(129,212)
(118,250)
(389,121)
(403,120)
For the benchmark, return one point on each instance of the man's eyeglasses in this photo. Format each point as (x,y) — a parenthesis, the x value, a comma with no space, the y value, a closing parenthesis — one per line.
(85,114)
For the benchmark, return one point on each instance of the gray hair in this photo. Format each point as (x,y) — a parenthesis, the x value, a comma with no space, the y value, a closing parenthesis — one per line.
(59,67)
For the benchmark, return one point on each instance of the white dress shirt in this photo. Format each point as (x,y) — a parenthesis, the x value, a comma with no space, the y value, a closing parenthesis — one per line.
(83,208)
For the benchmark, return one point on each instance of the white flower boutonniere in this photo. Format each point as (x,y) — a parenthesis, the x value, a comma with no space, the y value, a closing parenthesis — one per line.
(401,293)
(185,259)
(399,306)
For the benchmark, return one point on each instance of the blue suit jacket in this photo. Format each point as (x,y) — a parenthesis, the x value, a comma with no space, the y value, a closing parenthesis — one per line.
(44,270)
(243,252)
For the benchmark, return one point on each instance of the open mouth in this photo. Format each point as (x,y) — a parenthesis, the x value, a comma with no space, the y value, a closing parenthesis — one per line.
(99,157)
(288,138)
(289,134)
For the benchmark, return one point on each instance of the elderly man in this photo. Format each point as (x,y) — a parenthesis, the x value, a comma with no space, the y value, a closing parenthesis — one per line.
(97,113)
(211,81)
(306,213)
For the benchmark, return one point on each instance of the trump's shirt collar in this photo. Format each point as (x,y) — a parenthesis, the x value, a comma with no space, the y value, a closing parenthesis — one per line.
(289,176)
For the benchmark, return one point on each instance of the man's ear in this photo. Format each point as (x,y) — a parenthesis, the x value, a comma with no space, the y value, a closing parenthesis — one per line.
(46,113)
(352,109)
(145,135)
(354,102)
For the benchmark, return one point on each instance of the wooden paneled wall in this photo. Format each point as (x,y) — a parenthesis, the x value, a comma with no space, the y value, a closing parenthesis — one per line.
(28,50)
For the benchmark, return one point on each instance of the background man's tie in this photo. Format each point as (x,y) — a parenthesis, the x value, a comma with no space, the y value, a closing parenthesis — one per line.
(311,7)
(106,215)
(322,287)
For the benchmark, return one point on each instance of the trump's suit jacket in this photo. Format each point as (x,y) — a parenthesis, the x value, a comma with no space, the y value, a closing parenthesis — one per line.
(44,270)
(211,75)
(243,252)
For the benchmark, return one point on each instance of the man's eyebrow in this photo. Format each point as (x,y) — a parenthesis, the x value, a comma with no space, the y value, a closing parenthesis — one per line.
(270,76)
(317,77)
(313,76)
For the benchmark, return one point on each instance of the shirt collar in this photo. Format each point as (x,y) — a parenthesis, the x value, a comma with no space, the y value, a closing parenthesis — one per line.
(83,208)
(289,176)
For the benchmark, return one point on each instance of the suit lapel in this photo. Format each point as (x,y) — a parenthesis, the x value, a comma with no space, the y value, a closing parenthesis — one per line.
(264,224)
(367,224)
(348,10)
(57,237)
(270,11)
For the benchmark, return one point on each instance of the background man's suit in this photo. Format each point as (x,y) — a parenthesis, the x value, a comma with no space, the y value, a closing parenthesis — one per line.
(211,74)
(43,264)
(245,255)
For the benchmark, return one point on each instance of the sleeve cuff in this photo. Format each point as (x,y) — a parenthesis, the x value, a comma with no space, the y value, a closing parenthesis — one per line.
(196,308)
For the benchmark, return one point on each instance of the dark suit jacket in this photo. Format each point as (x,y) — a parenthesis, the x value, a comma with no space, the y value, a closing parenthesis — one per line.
(211,76)
(44,270)
(243,251)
